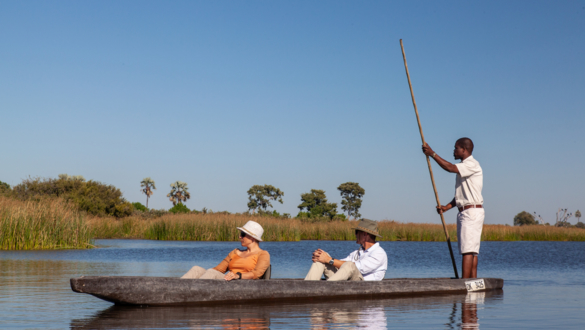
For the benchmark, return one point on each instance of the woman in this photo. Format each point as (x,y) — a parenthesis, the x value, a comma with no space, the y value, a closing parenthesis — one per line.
(248,264)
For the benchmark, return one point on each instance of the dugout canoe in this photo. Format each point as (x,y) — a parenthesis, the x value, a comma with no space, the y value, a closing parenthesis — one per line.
(172,291)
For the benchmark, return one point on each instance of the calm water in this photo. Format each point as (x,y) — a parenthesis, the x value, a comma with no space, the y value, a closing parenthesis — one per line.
(544,288)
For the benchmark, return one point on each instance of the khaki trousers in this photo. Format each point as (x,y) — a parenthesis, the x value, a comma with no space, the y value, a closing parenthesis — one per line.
(347,272)
(201,273)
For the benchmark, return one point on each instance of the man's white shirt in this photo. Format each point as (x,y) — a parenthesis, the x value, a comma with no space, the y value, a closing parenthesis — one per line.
(372,263)
(469,183)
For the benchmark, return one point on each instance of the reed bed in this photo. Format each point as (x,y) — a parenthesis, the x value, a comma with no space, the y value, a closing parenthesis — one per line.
(55,224)
(39,225)
(222,227)
(193,227)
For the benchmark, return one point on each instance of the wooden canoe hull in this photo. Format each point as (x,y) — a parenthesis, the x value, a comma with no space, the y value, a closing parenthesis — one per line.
(168,291)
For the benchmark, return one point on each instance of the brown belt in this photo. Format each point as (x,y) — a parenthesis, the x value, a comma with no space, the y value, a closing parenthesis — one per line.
(469,207)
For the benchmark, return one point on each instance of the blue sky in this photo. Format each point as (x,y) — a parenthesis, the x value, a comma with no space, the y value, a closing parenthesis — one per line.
(301,95)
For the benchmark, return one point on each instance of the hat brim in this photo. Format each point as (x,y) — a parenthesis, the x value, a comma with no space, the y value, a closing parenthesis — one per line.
(367,231)
(249,233)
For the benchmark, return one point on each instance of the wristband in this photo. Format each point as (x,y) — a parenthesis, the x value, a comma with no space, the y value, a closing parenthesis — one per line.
(434,154)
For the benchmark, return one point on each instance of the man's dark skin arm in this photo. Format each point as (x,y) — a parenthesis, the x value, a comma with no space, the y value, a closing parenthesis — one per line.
(458,153)
(443,163)
(441,209)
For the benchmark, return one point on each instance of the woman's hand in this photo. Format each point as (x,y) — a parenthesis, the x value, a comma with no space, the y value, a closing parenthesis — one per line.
(231,276)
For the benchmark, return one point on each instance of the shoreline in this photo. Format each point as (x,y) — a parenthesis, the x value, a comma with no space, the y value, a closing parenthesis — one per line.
(54,224)
(222,228)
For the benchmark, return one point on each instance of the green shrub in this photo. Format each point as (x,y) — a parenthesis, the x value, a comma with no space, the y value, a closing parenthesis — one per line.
(524,219)
(273,214)
(4,186)
(303,215)
(138,206)
(93,197)
(123,210)
(179,208)
(580,225)
(150,214)
(312,218)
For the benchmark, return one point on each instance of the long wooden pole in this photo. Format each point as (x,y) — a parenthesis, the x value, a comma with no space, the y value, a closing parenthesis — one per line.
(429,162)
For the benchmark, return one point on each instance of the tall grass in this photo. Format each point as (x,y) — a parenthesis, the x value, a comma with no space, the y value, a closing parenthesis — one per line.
(45,224)
(222,227)
(193,227)
(55,224)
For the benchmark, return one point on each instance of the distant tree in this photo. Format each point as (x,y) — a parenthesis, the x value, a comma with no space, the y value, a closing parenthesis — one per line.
(91,196)
(71,177)
(563,218)
(524,219)
(138,206)
(179,193)
(578,216)
(352,194)
(4,186)
(147,185)
(259,197)
(179,208)
(316,204)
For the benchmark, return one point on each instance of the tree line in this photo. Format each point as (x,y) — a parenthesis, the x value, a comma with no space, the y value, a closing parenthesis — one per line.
(102,199)
(562,219)
(314,204)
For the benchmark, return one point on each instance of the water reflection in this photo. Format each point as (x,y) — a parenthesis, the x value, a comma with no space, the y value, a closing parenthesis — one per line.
(369,317)
(469,305)
(369,314)
(125,317)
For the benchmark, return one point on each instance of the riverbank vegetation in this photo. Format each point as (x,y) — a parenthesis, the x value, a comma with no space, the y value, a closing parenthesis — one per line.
(69,212)
(222,227)
(57,224)
(92,197)
(43,224)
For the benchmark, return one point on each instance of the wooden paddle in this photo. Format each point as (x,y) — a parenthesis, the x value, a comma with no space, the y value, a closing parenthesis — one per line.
(429,162)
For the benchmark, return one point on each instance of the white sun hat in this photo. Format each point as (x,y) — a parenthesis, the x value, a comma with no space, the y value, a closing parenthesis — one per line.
(253,229)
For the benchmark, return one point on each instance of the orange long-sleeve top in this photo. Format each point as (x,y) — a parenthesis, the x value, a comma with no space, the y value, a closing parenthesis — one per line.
(255,263)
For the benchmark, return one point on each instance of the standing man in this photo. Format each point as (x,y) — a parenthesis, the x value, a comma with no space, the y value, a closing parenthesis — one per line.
(368,263)
(468,200)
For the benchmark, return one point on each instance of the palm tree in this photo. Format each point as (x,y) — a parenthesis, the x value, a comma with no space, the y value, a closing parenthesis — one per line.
(148,186)
(578,215)
(178,192)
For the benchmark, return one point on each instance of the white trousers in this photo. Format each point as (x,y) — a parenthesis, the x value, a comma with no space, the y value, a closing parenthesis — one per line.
(347,271)
(469,227)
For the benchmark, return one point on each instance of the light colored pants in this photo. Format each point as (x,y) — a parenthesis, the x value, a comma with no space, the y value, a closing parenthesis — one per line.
(347,271)
(469,227)
(201,273)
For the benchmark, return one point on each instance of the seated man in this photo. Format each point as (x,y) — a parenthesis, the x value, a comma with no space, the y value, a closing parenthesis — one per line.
(369,263)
